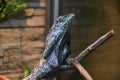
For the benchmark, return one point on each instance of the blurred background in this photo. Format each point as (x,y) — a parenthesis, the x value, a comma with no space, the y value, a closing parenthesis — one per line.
(22,37)
(93,19)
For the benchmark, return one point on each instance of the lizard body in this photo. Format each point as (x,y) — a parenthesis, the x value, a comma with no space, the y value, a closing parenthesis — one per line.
(56,49)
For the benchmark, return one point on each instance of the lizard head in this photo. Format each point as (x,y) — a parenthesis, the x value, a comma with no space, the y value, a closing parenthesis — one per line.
(62,23)
(59,28)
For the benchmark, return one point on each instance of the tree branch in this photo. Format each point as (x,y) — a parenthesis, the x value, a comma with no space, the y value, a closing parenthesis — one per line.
(94,45)
(81,70)
(84,53)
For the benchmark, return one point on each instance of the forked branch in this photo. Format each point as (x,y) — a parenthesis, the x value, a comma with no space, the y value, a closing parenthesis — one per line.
(75,61)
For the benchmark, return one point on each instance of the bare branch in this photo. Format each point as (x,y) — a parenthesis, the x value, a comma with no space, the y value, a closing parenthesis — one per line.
(84,53)
(81,70)
(94,45)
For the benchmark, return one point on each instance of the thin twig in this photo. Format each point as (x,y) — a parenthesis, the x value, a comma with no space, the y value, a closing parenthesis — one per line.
(82,70)
(84,53)
(94,45)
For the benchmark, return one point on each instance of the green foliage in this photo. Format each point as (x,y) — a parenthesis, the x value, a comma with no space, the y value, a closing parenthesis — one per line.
(27,72)
(10,7)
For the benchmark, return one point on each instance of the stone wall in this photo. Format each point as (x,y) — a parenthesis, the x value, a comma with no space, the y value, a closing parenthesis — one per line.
(22,39)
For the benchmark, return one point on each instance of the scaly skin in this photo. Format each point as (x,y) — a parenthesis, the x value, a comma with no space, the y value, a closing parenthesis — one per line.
(56,49)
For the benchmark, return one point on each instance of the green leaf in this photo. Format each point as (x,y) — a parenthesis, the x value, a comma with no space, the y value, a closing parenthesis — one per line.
(27,72)
(10,7)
